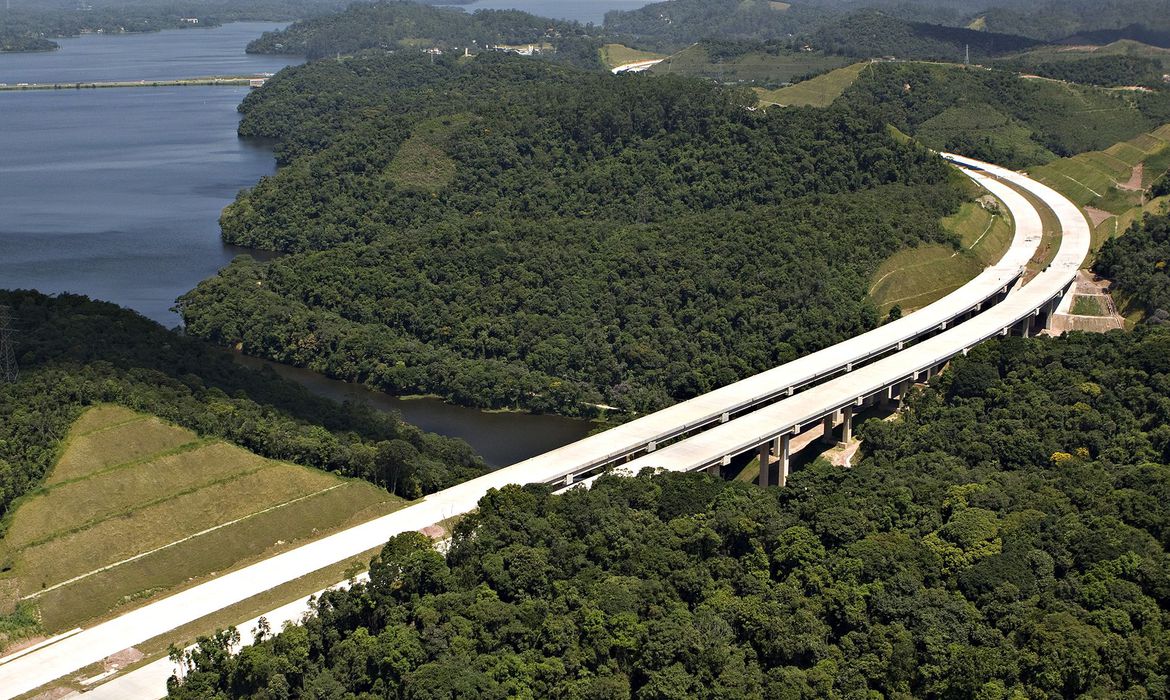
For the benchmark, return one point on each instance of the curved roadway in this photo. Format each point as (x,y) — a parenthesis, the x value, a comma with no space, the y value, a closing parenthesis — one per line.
(24,672)
(787,417)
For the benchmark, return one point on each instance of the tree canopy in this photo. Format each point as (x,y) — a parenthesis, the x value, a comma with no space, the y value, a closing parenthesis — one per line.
(74,353)
(1007,537)
(1137,263)
(510,233)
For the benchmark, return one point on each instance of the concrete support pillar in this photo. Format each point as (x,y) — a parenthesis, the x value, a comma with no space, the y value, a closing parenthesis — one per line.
(828,434)
(846,425)
(782,445)
(1026,327)
(765,463)
(715,470)
(569,480)
(890,396)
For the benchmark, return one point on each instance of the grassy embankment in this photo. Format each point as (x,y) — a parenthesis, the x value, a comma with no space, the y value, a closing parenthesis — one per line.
(136,507)
(757,68)
(820,91)
(1111,185)
(914,278)
(614,55)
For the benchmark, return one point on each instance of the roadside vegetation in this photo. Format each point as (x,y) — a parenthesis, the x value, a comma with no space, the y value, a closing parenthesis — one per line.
(136,506)
(1001,117)
(614,55)
(920,276)
(749,63)
(1007,536)
(1116,186)
(1139,265)
(75,353)
(619,240)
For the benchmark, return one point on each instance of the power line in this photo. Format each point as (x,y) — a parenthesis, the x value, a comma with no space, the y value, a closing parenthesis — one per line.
(8,370)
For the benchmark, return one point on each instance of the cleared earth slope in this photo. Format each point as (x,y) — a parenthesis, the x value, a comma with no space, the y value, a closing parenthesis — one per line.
(136,506)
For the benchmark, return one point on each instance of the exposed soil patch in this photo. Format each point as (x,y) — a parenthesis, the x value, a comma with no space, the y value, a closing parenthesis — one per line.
(22,644)
(122,659)
(1134,184)
(1097,215)
(1089,286)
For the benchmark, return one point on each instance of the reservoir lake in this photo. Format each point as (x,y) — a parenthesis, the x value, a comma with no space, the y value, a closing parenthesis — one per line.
(116,194)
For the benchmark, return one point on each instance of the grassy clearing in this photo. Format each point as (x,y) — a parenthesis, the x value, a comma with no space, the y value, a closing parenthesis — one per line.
(422,162)
(914,278)
(118,443)
(820,91)
(1100,179)
(614,55)
(1115,226)
(126,526)
(1089,306)
(1103,180)
(755,68)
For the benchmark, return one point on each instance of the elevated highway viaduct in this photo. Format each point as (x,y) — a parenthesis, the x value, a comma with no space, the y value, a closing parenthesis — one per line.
(743,416)
(770,429)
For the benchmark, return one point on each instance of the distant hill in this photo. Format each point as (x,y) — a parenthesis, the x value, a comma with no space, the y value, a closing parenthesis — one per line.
(1083,21)
(753,63)
(870,33)
(680,22)
(1001,117)
(397,24)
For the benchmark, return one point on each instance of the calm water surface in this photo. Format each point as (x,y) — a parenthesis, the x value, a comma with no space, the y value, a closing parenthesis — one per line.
(502,438)
(170,54)
(116,194)
(584,11)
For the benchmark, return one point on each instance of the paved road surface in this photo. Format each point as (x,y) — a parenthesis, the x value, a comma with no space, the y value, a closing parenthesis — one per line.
(30,671)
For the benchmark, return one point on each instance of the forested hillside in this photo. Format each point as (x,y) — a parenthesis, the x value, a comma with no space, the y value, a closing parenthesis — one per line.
(398,24)
(868,34)
(1081,21)
(25,25)
(1001,117)
(681,22)
(74,353)
(505,232)
(1096,70)
(1137,262)
(1006,538)
(1075,21)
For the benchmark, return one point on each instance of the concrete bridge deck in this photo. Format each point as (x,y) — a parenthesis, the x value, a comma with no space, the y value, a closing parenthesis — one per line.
(770,428)
(24,673)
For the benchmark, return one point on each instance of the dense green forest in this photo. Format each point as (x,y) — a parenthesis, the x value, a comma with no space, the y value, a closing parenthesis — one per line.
(1085,21)
(506,232)
(868,34)
(1117,70)
(680,22)
(74,353)
(399,24)
(1137,262)
(1001,117)
(30,27)
(1006,538)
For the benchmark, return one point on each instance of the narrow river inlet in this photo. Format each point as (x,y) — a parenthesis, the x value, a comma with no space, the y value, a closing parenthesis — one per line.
(116,194)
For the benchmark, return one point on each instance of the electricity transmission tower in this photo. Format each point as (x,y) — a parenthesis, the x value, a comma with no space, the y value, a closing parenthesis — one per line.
(8,371)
